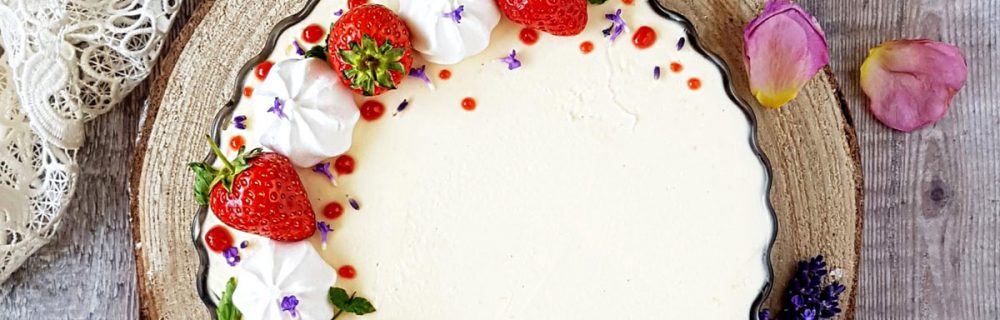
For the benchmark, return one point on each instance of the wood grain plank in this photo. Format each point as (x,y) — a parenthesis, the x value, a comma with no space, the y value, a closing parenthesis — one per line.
(931,238)
(88,270)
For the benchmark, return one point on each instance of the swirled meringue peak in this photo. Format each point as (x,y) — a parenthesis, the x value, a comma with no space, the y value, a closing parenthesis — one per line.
(304,113)
(448,31)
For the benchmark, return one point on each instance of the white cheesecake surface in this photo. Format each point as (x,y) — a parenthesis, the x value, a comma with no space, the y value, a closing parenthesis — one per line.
(580,187)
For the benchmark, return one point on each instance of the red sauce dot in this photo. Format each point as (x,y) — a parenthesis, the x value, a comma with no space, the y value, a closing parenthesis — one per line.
(263,69)
(218,239)
(629,2)
(371,110)
(312,33)
(586,47)
(529,36)
(247,91)
(344,164)
(676,67)
(445,74)
(644,38)
(237,142)
(333,210)
(469,104)
(347,272)
(694,83)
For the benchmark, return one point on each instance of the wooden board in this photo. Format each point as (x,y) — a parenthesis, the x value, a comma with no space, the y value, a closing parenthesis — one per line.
(817,179)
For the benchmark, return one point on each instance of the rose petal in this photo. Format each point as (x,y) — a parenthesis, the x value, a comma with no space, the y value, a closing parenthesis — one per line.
(910,83)
(783,49)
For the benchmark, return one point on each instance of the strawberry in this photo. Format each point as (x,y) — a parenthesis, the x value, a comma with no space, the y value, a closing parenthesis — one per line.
(557,17)
(354,3)
(256,192)
(370,47)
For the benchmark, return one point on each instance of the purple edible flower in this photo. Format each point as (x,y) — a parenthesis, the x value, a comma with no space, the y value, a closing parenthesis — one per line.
(402,106)
(324,169)
(232,255)
(511,60)
(617,25)
(240,122)
(656,73)
(278,108)
(338,13)
(289,303)
(420,73)
(324,229)
(244,244)
(354,203)
(806,297)
(298,48)
(680,43)
(456,14)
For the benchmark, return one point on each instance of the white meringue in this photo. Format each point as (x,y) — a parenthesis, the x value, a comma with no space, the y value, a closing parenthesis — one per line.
(317,113)
(439,37)
(273,271)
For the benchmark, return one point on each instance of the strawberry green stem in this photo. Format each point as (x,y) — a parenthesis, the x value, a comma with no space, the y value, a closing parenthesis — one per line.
(218,152)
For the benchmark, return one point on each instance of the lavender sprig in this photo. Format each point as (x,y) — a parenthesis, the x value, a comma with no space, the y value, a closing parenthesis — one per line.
(680,43)
(278,108)
(298,48)
(420,73)
(240,122)
(455,15)
(289,303)
(324,169)
(618,25)
(806,298)
(511,60)
(402,106)
(232,255)
(656,73)
(324,230)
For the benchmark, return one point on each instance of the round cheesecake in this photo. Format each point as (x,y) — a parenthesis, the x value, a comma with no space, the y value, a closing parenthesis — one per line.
(598,180)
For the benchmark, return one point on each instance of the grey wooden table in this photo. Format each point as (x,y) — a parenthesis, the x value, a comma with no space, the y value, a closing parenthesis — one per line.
(932,222)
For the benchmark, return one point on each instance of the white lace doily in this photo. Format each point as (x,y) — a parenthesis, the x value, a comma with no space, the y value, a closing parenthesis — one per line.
(64,62)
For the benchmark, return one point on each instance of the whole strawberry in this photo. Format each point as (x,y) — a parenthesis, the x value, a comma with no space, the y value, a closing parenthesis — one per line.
(256,192)
(370,48)
(557,17)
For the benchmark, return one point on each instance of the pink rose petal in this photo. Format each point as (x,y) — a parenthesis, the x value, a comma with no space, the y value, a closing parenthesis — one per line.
(910,83)
(783,48)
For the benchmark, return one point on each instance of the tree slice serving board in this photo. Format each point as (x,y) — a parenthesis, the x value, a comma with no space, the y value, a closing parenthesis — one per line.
(817,183)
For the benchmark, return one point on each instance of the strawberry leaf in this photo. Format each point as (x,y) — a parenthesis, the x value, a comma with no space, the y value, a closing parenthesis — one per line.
(597,1)
(372,64)
(205,178)
(318,52)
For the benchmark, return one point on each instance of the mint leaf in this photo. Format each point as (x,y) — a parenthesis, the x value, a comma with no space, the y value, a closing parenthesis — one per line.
(597,1)
(349,303)
(317,51)
(226,309)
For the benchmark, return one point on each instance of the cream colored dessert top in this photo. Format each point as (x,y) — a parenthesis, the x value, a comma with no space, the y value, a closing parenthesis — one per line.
(579,187)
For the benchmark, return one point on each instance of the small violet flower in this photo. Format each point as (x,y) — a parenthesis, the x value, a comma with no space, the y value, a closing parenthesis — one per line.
(656,73)
(289,303)
(338,13)
(402,106)
(783,48)
(456,14)
(244,244)
(298,48)
(354,203)
(420,73)
(806,297)
(324,230)
(278,108)
(324,169)
(910,83)
(511,60)
(680,43)
(618,25)
(232,255)
(240,122)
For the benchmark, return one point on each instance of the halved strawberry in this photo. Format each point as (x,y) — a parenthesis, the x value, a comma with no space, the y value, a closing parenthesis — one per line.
(370,47)
(256,192)
(556,17)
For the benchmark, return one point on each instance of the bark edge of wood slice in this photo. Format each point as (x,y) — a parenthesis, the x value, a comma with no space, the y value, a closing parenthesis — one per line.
(817,188)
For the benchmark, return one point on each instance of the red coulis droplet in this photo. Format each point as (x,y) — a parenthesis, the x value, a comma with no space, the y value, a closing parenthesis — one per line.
(586,47)
(371,110)
(469,104)
(445,74)
(347,272)
(694,83)
(529,36)
(262,70)
(676,67)
(344,164)
(247,91)
(644,38)
(629,2)
(333,210)
(237,142)
(312,33)
(218,239)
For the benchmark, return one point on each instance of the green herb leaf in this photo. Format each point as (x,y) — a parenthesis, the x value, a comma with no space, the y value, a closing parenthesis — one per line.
(318,52)
(349,303)
(597,1)
(205,178)
(226,309)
